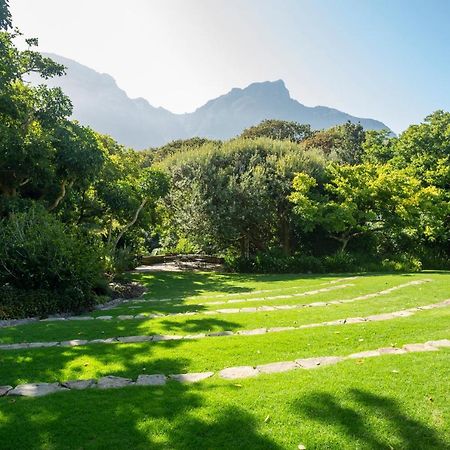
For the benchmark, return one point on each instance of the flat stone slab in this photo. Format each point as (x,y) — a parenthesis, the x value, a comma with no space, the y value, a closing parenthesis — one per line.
(333,322)
(195,336)
(4,390)
(313,363)
(278,329)
(79,384)
(104,341)
(248,310)
(110,382)
(14,346)
(191,377)
(104,317)
(286,306)
(80,318)
(73,343)
(253,332)
(128,339)
(220,333)
(440,343)
(36,389)
(151,380)
(238,372)
(42,344)
(266,308)
(391,351)
(125,317)
(277,367)
(169,337)
(420,348)
(366,354)
(355,320)
(228,311)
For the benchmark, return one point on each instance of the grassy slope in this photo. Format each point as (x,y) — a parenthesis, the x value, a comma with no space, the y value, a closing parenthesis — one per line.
(401,299)
(391,402)
(387,402)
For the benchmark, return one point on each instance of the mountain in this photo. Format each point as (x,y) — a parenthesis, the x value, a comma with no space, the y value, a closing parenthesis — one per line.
(100,103)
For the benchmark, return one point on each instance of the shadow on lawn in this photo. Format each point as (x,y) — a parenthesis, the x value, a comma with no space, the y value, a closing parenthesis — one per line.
(201,325)
(409,433)
(93,361)
(167,417)
(180,285)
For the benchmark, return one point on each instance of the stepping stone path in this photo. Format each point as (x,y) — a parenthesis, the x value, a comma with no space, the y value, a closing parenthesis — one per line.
(79,384)
(36,389)
(113,382)
(191,377)
(313,363)
(257,331)
(238,372)
(230,373)
(151,380)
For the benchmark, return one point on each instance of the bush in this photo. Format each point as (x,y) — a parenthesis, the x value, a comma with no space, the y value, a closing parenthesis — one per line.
(274,262)
(339,262)
(45,267)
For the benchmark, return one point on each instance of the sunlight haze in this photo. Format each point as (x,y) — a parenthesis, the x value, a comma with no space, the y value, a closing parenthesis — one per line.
(381,60)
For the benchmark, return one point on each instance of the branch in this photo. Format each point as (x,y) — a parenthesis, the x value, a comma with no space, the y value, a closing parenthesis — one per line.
(61,195)
(130,224)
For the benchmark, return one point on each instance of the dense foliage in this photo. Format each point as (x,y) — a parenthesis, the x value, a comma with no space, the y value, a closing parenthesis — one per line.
(337,199)
(75,206)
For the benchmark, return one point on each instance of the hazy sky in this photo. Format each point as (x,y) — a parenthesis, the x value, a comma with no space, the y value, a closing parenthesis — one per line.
(384,59)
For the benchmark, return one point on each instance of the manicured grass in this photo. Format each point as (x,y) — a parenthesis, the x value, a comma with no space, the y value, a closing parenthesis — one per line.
(406,297)
(398,402)
(392,401)
(130,360)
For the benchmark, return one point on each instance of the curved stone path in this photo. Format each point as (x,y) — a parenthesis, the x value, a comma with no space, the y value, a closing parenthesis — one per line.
(159,337)
(229,373)
(278,297)
(114,303)
(260,291)
(252,309)
(147,316)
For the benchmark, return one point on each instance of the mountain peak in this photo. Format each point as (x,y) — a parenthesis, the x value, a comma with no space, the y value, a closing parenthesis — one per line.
(275,88)
(100,103)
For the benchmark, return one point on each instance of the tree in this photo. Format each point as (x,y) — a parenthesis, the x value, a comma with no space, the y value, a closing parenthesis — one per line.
(279,130)
(367,200)
(234,196)
(5,15)
(343,142)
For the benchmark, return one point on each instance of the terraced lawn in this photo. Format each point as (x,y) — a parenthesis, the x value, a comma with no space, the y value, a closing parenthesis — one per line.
(366,388)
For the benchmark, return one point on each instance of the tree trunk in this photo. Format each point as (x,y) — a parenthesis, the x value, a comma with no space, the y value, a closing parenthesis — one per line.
(61,195)
(245,246)
(129,225)
(285,229)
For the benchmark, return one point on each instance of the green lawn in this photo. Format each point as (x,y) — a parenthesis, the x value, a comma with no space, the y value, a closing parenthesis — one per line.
(392,401)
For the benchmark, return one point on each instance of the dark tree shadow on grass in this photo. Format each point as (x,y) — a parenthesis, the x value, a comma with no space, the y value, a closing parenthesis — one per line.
(165,417)
(201,325)
(330,411)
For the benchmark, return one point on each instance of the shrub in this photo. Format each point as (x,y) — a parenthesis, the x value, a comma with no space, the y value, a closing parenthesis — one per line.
(45,267)
(340,262)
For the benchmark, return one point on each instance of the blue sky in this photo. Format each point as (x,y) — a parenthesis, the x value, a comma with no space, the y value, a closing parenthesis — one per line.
(385,59)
